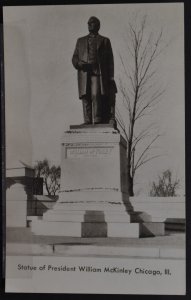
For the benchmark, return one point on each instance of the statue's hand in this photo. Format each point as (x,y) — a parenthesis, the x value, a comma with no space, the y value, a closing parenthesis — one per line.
(80,65)
(83,66)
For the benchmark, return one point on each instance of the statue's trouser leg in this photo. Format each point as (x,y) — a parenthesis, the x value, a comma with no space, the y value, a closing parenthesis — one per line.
(105,109)
(87,103)
(96,98)
(87,110)
(112,110)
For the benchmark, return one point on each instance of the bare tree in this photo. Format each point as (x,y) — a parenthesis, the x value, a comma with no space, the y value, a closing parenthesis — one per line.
(140,92)
(166,185)
(50,175)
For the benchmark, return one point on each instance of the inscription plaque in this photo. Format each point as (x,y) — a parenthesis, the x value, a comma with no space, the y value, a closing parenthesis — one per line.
(88,152)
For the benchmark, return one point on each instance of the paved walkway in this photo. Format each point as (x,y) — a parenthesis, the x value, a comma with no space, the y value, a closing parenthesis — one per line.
(24,235)
(22,241)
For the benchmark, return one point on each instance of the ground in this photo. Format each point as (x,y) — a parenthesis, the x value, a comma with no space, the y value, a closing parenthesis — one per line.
(21,241)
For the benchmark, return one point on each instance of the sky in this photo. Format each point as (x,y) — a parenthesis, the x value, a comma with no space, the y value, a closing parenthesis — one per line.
(41,84)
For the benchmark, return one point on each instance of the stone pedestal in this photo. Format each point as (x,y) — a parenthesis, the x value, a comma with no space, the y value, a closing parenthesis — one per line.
(93,199)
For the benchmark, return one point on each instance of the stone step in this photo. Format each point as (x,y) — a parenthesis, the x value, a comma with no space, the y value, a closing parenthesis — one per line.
(85,229)
(97,229)
(99,215)
(88,216)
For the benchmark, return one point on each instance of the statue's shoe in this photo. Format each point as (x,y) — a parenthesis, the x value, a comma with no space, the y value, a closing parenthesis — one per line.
(87,123)
(97,121)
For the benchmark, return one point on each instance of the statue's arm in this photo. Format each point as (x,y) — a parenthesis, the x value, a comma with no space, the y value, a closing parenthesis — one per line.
(75,57)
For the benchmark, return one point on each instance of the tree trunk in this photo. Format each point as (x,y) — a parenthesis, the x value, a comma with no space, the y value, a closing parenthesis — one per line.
(130,184)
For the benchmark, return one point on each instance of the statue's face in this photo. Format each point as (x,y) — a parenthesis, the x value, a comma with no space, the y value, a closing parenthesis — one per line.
(93,26)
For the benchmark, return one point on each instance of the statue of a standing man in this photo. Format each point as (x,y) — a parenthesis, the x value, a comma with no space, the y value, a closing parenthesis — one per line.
(93,58)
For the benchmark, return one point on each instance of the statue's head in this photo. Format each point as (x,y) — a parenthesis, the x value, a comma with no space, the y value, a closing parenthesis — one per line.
(93,25)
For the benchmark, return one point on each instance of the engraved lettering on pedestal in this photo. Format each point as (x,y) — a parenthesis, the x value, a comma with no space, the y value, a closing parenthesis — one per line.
(88,152)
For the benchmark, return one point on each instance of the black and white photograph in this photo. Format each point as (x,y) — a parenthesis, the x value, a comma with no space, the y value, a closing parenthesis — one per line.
(95,148)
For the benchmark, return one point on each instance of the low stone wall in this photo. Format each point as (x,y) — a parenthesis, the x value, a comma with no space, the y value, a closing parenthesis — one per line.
(163,207)
(170,210)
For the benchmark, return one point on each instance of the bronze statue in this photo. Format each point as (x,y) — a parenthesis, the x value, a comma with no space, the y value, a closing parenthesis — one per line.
(93,58)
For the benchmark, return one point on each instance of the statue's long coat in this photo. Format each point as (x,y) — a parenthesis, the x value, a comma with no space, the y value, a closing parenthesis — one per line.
(105,62)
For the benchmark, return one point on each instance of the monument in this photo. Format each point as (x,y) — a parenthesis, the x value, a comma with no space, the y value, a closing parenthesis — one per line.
(93,59)
(93,199)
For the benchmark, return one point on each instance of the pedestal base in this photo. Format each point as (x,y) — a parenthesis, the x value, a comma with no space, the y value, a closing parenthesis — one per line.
(106,223)
(93,199)
(95,229)
(86,229)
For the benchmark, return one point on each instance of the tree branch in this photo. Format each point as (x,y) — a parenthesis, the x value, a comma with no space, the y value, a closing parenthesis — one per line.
(145,150)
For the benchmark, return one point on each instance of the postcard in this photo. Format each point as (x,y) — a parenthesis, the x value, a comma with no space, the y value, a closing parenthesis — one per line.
(95,148)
